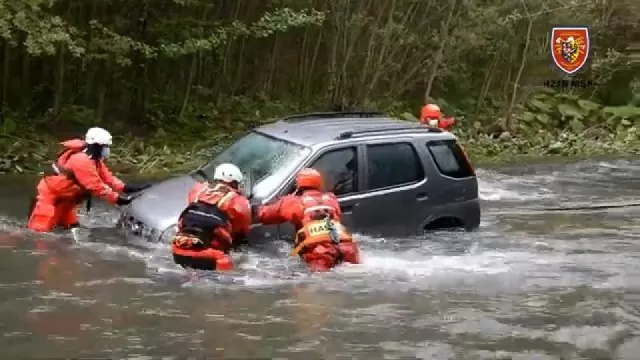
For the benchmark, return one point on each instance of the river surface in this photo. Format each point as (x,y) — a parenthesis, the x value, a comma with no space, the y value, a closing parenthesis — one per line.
(528,284)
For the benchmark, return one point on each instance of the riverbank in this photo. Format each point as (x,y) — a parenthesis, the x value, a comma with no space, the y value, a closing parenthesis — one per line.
(163,154)
(547,146)
(548,125)
(130,155)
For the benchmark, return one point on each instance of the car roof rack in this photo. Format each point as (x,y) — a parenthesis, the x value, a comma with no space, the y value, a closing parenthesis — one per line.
(398,130)
(332,115)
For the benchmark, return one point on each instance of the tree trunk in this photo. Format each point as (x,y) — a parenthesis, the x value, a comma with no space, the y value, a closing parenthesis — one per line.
(516,82)
(444,33)
(6,59)
(25,82)
(59,93)
(187,92)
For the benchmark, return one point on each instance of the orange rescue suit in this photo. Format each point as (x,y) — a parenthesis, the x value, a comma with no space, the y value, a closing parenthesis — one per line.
(216,217)
(313,241)
(429,114)
(75,177)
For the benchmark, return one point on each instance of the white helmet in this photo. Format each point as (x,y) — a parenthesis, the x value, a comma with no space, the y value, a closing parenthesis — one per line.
(98,136)
(227,173)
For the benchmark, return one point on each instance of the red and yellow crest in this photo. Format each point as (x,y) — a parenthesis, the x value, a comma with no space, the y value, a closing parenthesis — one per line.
(570,48)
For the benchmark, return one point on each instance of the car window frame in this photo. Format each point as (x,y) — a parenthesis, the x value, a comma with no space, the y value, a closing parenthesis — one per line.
(399,187)
(435,162)
(320,153)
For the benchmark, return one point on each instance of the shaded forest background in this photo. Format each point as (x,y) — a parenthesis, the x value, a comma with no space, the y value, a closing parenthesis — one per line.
(188,66)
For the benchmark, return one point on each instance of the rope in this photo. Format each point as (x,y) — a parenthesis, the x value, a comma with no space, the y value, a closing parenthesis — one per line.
(586,207)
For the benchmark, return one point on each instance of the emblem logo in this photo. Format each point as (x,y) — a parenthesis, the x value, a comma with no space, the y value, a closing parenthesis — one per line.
(570,48)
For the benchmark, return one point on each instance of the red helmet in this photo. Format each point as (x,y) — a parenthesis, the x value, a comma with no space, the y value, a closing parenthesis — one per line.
(309,178)
(430,111)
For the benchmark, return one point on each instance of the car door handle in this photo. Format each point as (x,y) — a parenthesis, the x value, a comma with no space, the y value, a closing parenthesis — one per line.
(422,196)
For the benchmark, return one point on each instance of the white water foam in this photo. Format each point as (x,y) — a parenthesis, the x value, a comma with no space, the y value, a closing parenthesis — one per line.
(628,166)
(257,269)
(414,264)
(613,180)
(495,186)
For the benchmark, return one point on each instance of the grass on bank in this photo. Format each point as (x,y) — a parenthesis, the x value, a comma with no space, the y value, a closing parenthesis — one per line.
(129,154)
(549,125)
(161,155)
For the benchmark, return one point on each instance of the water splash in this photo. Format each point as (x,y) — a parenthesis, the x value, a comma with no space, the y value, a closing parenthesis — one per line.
(495,186)
(389,261)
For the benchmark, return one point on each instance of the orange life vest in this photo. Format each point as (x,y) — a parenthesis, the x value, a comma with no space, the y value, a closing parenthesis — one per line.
(206,213)
(316,207)
(314,229)
(58,166)
(218,195)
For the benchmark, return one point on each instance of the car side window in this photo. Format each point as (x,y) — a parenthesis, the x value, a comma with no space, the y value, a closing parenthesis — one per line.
(450,159)
(393,165)
(339,169)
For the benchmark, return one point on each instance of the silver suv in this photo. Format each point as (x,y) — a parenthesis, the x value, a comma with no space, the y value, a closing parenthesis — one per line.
(392,177)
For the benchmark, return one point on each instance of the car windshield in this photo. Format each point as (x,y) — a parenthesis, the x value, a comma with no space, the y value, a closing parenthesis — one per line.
(266,161)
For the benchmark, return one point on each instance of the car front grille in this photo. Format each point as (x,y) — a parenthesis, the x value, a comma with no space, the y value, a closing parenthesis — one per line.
(135,227)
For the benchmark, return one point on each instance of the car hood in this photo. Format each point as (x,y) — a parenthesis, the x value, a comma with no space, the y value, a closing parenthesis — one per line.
(161,204)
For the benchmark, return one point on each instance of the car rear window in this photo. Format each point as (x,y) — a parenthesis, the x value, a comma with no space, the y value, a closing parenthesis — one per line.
(450,159)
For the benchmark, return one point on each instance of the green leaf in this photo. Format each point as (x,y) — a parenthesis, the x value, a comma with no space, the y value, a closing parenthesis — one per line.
(9,125)
(570,111)
(564,97)
(623,111)
(540,106)
(588,105)
(545,92)
(576,125)
(543,118)
(527,117)
(611,119)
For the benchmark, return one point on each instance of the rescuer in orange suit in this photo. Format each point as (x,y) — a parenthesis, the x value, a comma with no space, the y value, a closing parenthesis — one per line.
(321,240)
(217,218)
(432,116)
(78,172)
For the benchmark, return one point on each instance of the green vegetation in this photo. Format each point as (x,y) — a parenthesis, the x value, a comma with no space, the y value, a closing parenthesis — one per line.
(177,79)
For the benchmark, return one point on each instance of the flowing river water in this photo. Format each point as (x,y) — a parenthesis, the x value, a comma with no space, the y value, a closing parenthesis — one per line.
(528,284)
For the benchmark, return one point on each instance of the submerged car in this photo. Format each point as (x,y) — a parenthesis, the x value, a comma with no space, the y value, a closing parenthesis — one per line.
(392,177)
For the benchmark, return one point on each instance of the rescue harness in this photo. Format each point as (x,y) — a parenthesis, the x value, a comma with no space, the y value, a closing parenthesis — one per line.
(324,226)
(199,219)
(58,169)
